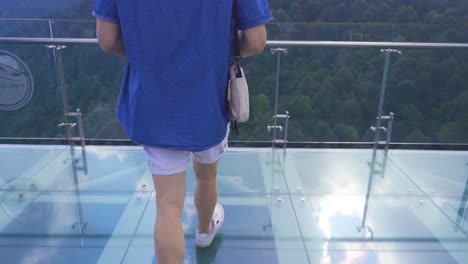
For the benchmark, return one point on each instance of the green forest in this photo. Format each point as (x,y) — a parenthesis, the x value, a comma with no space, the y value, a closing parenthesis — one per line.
(331,93)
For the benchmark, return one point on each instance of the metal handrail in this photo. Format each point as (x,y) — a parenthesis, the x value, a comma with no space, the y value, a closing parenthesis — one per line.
(271,43)
(380,24)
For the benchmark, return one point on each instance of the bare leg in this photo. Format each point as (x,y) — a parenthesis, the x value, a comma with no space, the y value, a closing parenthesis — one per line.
(168,231)
(206,194)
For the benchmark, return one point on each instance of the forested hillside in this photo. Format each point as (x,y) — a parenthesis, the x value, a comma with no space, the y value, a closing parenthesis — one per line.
(372,11)
(332,94)
(35,8)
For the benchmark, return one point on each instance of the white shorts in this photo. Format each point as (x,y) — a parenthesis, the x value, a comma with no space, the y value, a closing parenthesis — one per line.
(162,161)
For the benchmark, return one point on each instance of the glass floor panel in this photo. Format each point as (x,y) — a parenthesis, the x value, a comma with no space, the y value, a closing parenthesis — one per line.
(305,206)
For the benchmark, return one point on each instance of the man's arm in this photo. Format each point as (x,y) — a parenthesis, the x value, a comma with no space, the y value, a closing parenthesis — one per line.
(252,41)
(110,37)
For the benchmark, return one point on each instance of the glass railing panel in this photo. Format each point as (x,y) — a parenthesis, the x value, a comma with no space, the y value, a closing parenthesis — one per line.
(330,31)
(94,81)
(331,94)
(394,32)
(74,28)
(28,9)
(261,77)
(47,28)
(427,93)
(25,28)
(30,98)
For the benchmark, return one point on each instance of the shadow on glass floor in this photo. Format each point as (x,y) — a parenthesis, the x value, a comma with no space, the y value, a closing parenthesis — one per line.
(304,207)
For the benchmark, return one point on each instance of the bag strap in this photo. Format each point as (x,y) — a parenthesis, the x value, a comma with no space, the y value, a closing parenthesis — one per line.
(236,45)
(234,127)
(235,18)
(236,54)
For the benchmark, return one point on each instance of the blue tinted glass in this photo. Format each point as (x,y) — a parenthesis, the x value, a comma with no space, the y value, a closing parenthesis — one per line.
(306,206)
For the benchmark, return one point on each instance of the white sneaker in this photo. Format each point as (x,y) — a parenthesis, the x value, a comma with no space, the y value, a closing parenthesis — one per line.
(204,240)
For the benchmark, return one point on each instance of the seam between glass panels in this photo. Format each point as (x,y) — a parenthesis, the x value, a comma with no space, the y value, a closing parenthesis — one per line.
(292,205)
(136,228)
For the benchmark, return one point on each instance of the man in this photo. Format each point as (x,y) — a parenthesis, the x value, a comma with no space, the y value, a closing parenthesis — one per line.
(173,97)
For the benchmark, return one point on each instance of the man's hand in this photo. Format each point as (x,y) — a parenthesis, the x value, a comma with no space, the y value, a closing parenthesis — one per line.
(110,37)
(253,41)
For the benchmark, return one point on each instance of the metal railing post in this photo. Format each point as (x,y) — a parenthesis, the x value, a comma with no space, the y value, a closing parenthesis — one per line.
(388,138)
(80,223)
(286,128)
(63,90)
(277,51)
(57,52)
(378,128)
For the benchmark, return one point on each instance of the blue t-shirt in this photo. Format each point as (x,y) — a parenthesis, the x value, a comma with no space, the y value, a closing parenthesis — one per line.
(173,93)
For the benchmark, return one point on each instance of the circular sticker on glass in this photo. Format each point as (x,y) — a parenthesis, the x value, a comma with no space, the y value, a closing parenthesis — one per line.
(16,82)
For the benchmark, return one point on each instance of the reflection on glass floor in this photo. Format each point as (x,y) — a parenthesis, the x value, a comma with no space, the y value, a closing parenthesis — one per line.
(304,207)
